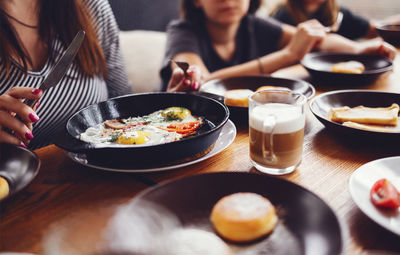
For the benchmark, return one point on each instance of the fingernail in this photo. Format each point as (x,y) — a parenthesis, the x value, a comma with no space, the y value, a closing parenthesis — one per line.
(195,85)
(37,104)
(28,135)
(187,82)
(33,117)
(36,91)
(23,145)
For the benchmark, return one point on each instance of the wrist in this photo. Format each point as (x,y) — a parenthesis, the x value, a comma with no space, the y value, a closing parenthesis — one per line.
(288,57)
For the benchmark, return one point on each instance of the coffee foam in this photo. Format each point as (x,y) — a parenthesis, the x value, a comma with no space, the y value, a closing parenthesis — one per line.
(289,118)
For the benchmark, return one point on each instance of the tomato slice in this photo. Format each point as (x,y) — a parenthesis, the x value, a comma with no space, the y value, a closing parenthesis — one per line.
(384,194)
(182,128)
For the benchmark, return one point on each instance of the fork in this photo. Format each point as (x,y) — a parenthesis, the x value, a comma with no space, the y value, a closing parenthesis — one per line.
(182,65)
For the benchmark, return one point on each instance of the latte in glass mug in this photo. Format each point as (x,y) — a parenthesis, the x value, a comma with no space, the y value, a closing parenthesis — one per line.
(276,132)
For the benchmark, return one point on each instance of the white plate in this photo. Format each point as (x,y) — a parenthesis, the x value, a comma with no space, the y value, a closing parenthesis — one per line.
(226,137)
(361,182)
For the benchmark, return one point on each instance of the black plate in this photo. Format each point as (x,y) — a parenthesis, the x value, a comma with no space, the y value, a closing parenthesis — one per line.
(390,33)
(18,166)
(319,66)
(321,104)
(305,221)
(215,114)
(220,86)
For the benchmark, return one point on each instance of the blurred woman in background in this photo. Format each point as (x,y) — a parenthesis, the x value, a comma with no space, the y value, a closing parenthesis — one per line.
(223,39)
(352,26)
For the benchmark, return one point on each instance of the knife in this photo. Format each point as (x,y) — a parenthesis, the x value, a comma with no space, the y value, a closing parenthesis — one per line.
(61,67)
(57,72)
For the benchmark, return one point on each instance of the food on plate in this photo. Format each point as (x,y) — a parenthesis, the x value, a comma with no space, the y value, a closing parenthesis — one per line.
(384,194)
(163,126)
(375,128)
(366,115)
(273,87)
(238,97)
(192,241)
(243,217)
(4,188)
(352,66)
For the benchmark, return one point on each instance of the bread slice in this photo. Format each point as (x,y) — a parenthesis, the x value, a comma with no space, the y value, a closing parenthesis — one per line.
(353,67)
(366,115)
(238,97)
(273,87)
(375,128)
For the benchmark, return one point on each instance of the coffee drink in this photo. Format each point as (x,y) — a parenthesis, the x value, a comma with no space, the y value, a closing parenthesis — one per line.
(276,132)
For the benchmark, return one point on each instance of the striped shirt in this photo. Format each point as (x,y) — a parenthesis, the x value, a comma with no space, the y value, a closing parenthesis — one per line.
(76,90)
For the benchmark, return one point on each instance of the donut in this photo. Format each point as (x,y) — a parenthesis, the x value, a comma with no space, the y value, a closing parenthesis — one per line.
(243,217)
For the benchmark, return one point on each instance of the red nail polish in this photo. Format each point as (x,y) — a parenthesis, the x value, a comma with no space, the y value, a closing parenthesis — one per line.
(33,117)
(36,91)
(28,135)
(23,145)
(195,85)
(37,104)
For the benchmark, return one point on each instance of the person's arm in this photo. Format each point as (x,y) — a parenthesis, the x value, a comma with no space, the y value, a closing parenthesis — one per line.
(296,42)
(182,45)
(116,78)
(339,44)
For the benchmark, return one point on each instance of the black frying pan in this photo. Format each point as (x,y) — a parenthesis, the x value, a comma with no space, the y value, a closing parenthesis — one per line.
(214,112)
(18,166)
(240,114)
(319,66)
(307,225)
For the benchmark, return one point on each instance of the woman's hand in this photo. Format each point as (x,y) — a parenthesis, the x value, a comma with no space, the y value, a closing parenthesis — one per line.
(309,35)
(377,47)
(179,82)
(10,105)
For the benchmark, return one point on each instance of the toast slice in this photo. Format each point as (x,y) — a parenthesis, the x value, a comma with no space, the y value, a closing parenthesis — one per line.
(238,97)
(366,115)
(376,128)
(353,67)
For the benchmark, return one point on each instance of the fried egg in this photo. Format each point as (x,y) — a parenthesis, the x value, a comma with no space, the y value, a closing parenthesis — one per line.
(151,129)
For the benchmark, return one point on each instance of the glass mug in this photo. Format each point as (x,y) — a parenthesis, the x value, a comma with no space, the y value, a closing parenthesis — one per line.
(276,130)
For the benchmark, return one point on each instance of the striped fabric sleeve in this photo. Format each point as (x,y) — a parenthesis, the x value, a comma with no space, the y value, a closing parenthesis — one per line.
(108,33)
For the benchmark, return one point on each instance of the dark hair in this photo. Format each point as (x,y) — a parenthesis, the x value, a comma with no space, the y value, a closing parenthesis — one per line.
(61,18)
(190,12)
(328,11)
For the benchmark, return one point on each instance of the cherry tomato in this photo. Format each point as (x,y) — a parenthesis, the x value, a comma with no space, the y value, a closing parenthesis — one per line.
(384,194)
(182,128)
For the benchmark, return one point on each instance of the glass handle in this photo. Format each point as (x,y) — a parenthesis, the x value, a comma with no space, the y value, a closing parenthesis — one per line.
(268,127)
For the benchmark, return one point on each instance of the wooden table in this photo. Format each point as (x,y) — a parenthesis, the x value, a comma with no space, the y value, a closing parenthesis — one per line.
(63,188)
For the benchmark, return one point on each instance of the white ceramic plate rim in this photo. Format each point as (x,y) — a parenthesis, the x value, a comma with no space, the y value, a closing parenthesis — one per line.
(226,138)
(361,182)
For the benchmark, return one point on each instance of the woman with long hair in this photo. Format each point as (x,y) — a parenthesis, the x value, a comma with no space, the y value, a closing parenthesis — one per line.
(352,25)
(33,36)
(223,38)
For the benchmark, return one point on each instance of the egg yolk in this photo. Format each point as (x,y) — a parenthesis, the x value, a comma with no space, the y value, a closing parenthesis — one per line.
(175,113)
(135,137)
